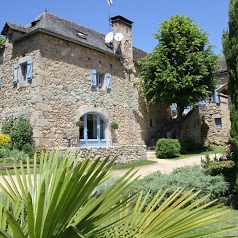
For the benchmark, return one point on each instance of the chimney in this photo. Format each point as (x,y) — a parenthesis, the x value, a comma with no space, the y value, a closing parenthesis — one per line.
(124,47)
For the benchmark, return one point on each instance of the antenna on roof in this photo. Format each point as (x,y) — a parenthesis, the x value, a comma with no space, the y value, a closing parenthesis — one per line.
(109,2)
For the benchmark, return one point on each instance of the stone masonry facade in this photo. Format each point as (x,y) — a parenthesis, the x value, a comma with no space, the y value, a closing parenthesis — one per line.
(60,91)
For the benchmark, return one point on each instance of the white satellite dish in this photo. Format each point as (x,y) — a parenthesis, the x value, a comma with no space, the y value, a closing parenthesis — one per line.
(109,37)
(118,36)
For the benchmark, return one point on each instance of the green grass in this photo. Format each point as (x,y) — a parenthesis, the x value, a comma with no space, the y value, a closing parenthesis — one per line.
(134,164)
(233,220)
(213,150)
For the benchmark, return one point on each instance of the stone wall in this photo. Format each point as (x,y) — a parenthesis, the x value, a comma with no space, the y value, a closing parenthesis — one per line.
(60,93)
(200,124)
(124,154)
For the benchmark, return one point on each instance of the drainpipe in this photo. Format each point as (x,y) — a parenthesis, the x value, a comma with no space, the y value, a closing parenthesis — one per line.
(129,106)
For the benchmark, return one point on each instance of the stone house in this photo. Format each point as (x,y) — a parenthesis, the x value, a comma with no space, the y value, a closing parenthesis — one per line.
(56,72)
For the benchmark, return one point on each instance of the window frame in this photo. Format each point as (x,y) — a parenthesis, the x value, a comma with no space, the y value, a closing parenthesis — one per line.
(218,122)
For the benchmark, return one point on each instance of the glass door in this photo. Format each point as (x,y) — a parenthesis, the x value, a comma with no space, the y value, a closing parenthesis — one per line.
(94,132)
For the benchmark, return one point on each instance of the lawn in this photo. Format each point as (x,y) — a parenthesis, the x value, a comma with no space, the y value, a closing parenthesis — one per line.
(231,221)
(134,164)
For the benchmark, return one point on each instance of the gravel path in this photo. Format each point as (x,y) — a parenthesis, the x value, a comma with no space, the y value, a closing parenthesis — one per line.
(165,166)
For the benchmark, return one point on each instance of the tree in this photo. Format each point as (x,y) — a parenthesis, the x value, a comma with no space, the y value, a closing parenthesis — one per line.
(180,68)
(58,200)
(2,40)
(230,49)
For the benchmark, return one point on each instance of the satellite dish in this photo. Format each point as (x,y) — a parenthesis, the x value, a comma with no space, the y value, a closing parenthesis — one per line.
(109,37)
(118,36)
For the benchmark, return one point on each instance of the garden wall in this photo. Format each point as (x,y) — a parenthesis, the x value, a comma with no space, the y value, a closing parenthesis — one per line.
(124,153)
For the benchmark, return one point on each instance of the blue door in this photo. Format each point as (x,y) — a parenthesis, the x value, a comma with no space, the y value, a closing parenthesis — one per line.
(94,132)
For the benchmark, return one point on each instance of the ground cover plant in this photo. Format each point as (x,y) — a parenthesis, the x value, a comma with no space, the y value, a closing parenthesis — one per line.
(186,177)
(59,201)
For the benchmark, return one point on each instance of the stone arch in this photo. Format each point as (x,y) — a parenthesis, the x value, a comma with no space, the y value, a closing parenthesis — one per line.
(87,109)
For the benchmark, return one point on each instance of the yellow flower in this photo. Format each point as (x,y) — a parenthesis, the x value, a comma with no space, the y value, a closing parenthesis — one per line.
(4,139)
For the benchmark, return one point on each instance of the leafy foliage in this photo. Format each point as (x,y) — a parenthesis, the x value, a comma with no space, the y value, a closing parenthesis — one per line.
(2,40)
(180,68)
(230,49)
(167,148)
(59,201)
(215,167)
(187,178)
(21,133)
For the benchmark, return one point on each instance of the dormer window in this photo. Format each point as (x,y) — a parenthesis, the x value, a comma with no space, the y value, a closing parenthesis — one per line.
(81,35)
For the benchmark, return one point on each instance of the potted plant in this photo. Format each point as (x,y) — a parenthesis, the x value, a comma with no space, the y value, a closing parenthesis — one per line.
(80,125)
(114,126)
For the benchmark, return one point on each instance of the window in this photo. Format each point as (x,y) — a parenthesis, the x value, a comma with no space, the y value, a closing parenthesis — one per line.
(24,71)
(93,132)
(100,80)
(218,123)
(151,123)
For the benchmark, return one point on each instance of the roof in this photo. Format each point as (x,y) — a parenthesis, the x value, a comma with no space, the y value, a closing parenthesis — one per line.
(223,89)
(222,65)
(13,27)
(70,31)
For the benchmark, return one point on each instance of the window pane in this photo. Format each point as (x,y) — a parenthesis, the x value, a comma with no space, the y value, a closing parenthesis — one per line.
(92,126)
(99,80)
(102,129)
(218,122)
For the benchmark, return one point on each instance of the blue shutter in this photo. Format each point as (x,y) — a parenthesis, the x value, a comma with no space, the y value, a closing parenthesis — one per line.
(108,80)
(29,70)
(93,78)
(217,97)
(15,74)
(174,107)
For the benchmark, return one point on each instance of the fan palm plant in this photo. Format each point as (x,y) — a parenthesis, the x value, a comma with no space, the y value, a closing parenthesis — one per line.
(57,200)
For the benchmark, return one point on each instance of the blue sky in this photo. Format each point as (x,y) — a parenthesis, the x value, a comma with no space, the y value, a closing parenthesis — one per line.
(210,15)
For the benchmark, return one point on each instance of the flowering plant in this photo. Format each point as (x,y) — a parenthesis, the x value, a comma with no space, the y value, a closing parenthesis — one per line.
(4,139)
(228,153)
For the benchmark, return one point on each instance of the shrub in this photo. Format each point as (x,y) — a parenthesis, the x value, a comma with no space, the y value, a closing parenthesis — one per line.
(4,139)
(190,145)
(187,178)
(21,133)
(167,148)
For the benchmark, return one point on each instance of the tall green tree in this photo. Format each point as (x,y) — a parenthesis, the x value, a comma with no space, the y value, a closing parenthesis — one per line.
(230,49)
(180,68)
